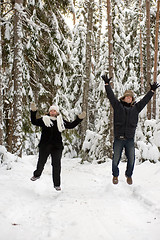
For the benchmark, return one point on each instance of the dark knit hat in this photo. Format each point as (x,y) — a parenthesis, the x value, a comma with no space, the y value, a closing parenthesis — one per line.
(128,93)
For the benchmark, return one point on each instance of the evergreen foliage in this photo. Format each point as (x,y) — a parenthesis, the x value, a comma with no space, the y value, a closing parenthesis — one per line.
(54,64)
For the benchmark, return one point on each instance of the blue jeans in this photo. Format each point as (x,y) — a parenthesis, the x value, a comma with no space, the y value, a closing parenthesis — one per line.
(128,145)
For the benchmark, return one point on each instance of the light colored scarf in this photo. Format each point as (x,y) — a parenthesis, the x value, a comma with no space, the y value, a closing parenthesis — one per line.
(48,123)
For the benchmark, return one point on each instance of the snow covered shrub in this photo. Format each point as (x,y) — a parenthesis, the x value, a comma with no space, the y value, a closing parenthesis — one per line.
(30,143)
(6,158)
(148,141)
(94,147)
(71,146)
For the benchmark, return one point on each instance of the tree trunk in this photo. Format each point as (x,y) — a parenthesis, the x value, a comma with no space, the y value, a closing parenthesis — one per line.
(17,77)
(156,57)
(140,48)
(1,95)
(9,125)
(110,44)
(74,15)
(148,35)
(89,4)
(97,54)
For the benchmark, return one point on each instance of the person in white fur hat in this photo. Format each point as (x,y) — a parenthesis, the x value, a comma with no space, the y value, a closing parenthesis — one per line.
(51,140)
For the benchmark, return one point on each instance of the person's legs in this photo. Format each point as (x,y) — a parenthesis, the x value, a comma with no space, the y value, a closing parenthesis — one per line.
(117,152)
(44,152)
(130,154)
(56,154)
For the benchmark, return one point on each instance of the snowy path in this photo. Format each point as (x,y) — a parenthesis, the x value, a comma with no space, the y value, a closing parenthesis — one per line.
(89,207)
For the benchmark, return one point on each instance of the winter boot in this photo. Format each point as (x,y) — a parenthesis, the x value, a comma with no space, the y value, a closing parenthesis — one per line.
(58,188)
(34,178)
(129,180)
(115,180)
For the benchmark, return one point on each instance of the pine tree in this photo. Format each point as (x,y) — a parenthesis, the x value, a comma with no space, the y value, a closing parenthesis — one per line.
(47,56)
(156,56)
(110,58)
(1,96)
(79,56)
(46,63)
(47,49)
(7,83)
(148,49)
(141,47)
(17,78)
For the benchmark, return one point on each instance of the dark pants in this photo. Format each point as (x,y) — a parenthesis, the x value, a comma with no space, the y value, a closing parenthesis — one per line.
(118,146)
(56,155)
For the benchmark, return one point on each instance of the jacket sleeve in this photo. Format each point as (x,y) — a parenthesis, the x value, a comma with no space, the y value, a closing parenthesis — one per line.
(143,102)
(70,125)
(112,98)
(35,121)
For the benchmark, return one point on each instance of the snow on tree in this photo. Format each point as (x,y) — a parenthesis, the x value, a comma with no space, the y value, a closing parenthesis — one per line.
(17,78)
(1,95)
(64,66)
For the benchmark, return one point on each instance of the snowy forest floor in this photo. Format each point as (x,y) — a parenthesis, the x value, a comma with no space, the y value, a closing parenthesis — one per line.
(89,207)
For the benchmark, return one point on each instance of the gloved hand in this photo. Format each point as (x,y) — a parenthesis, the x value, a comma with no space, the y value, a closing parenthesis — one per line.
(154,86)
(106,79)
(33,107)
(82,115)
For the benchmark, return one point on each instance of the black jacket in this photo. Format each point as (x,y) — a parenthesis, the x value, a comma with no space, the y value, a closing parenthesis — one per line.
(51,135)
(126,115)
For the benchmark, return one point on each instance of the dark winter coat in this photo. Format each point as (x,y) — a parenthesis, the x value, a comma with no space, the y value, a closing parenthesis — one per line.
(51,135)
(126,115)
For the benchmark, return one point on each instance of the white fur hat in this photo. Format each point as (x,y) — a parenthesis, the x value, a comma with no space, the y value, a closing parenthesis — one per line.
(54,107)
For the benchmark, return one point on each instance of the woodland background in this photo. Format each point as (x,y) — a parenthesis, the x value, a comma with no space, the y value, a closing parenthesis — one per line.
(56,51)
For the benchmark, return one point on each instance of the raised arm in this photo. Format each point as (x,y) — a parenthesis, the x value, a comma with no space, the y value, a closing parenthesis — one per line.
(112,98)
(34,120)
(143,102)
(79,118)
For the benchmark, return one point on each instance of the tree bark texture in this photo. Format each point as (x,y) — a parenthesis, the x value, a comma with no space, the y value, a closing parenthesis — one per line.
(97,54)
(89,5)
(17,77)
(110,58)
(88,62)
(156,57)
(74,15)
(140,48)
(148,36)
(1,95)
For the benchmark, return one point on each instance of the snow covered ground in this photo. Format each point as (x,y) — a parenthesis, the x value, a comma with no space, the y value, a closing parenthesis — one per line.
(89,207)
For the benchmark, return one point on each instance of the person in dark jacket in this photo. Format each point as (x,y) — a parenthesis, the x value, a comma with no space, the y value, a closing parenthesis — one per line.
(51,140)
(126,112)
